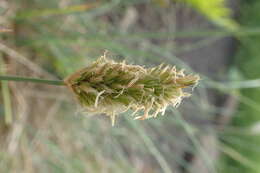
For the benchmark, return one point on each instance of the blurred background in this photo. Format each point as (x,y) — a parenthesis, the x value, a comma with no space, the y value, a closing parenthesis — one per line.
(42,128)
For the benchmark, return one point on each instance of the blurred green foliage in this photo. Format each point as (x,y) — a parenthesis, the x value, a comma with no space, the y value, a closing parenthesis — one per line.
(246,141)
(216,11)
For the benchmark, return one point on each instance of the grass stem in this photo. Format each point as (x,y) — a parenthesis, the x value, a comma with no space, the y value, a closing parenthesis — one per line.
(34,80)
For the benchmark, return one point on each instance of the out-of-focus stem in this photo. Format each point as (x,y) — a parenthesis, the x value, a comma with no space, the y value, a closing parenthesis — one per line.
(34,80)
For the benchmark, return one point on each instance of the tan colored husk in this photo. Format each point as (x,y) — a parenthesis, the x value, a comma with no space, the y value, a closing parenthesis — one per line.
(111,88)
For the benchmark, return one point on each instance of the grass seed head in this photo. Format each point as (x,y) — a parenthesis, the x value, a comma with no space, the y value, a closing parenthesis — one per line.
(111,88)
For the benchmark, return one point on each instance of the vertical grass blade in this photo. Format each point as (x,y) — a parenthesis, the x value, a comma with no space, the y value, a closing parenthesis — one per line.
(6,97)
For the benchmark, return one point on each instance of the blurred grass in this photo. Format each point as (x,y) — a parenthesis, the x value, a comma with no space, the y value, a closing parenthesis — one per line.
(65,40)
(63,36)
(247,60)
(6,96)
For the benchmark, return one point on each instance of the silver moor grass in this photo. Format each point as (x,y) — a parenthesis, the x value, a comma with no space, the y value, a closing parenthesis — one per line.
(112,88)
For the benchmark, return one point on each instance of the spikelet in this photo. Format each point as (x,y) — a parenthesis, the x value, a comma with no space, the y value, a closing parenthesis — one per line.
(111,88)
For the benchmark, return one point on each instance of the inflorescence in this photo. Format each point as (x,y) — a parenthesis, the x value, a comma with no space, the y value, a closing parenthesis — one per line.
(112,88)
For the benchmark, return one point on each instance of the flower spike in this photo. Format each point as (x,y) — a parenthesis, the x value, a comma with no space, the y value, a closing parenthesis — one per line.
(111,88)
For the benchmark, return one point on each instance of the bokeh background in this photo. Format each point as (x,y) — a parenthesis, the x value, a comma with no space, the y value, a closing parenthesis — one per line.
(43,129)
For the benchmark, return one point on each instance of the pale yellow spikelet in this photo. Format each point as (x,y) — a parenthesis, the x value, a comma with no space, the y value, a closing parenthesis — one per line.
(111,88)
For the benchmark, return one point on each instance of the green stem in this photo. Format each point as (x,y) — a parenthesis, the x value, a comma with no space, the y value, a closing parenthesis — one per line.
(34,80)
